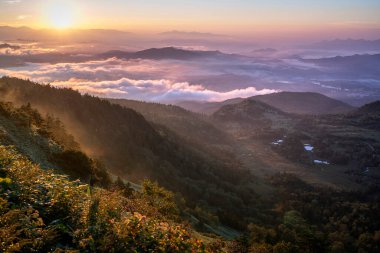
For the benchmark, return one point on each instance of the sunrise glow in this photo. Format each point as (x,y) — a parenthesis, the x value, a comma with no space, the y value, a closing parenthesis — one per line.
(60,15)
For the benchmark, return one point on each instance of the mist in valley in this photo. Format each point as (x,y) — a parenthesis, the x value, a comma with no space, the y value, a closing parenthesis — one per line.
(202,126)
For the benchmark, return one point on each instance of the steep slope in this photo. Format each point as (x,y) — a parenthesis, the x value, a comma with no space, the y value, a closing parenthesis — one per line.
(183,122)
(197,130)
(90,120)
(133,148)
(16,130)
(42,211)
(46,142)
(304,103)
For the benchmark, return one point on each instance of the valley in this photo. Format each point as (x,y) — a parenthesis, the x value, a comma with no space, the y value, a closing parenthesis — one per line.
(222,168)
(160,127)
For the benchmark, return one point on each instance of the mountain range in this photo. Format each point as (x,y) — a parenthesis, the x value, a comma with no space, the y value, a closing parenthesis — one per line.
(347,44)
(162,53)
(290,102)
(251,165)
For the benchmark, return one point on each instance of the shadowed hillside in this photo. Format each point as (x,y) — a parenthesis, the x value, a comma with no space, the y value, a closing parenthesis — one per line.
(252,118)
(45,141)
(304,103)
(197,130)
(133,148)
(290,102)
(207,107)
(42,211)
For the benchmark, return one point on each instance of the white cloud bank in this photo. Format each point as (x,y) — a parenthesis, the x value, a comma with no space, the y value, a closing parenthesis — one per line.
(136,79)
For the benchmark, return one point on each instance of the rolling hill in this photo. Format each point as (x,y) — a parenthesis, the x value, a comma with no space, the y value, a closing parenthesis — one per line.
(44,206)
(207,108)
(290,102)
(348,44)
(358,65)
(252,118)
(304,103)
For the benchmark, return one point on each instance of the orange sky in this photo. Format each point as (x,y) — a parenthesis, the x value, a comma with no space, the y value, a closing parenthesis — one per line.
(243,17)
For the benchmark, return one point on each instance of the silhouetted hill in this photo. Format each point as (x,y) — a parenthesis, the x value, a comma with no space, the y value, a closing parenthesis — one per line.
(367,59)
(161,53)
(207,107)
(367,116)
(6,45)
(357,67)
(372,108)
(248,109)
(304,103)
(184,34)
(290,102)
(349,44)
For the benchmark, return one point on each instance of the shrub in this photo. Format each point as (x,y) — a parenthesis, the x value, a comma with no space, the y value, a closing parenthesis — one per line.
(43,211)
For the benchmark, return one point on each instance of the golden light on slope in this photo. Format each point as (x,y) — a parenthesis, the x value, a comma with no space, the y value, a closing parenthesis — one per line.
(60,14)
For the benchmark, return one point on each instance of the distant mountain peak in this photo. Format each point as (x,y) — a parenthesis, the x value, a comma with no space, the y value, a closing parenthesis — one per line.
(162,53)
(190,34)
(347,44)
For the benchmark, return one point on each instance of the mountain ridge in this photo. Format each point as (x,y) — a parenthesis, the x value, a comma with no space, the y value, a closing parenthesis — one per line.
(162,53)
(291,102)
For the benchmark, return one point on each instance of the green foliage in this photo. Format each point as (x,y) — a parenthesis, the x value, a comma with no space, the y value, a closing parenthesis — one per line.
(160,198)
(130,145)
(49,136)
(78,164)
(43,211)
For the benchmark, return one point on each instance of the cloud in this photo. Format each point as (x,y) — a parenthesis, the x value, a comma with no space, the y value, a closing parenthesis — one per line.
(26,49)
(136,79)
(22,17)
(156,90)
(12,1)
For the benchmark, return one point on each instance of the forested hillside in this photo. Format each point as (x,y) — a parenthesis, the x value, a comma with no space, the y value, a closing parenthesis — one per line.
(52,137)
(41,211)
(134,149)
(196,129)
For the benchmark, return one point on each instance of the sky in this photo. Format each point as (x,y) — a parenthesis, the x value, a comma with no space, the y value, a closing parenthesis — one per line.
(242,17)
(287,28)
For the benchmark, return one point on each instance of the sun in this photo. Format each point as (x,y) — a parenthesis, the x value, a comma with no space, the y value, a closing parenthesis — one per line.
(60,14)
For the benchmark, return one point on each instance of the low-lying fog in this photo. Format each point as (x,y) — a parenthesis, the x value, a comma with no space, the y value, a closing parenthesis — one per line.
(345,69)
